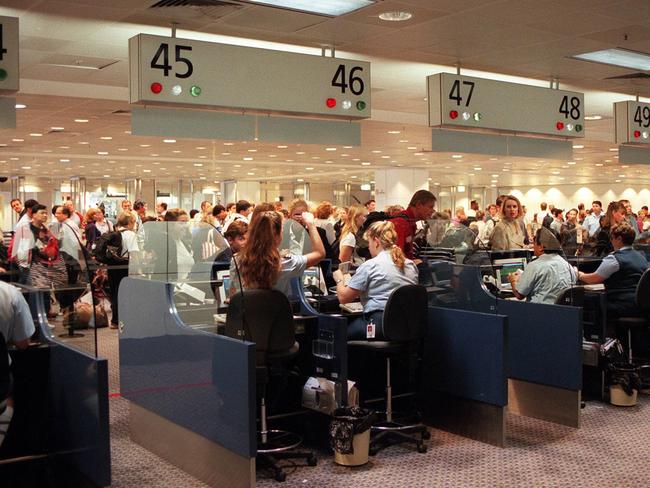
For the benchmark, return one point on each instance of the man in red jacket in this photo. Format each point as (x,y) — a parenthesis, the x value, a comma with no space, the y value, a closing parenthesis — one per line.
(420,208)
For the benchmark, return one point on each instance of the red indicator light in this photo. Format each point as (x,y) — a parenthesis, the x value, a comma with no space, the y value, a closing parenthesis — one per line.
(156,87)
(330,102)
(559,125)
(453,114)
(637,133)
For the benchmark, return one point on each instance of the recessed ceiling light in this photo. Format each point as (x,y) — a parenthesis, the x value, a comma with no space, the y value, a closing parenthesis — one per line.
(203,157)
(250,174)
(106,138)
(599,164)
(169,141)
(248,159)
(618,57)
(385,157)
(300,152)
(198,164)
(365,163)
(354,176)
(145,145)
(64,160)
(593,117)
(14,159)
(57,128)
(412,148)
(395,16)
(571,163)
(146,171)
(36,134)
(252,150)
(578,146)
(122,149)
(403,140)
(300,179)
(309,168)
(375,151)
(330,149)
(21,105)
(613,149)
(237,165)
(456,156)
(394,132)
(282,147)
(332,8)
(18,140)
(102,153)
(177,151)
(225,154)
(81,121)
(26,167)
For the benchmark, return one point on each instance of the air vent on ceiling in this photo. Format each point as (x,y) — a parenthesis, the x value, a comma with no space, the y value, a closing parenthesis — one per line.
(631,76)
(195,3)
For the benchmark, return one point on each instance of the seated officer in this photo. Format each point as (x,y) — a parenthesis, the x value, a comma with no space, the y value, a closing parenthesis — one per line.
(545,276)
(375,280)
(620,271)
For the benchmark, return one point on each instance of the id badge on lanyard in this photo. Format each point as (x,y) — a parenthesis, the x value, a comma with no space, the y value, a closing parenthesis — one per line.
(370,329)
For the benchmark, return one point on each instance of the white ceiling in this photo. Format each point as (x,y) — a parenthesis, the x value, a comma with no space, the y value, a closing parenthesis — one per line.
(529,39)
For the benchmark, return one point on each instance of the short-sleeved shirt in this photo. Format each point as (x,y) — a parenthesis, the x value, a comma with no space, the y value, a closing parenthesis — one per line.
(129,242)
(16,322)
(545,277)
(351,241)
(378,277)
(292,266)
(609,265)
(592,223)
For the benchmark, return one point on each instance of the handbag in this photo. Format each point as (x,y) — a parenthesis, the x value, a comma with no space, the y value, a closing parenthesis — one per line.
(208,247)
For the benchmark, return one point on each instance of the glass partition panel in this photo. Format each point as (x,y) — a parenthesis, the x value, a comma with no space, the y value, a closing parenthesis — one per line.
(456,266)
(196,260)
(59,278)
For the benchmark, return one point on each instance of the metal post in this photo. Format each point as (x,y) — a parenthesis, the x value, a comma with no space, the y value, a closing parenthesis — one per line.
(389,393)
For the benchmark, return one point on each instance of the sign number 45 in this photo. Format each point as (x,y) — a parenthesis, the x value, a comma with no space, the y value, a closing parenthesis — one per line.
(163,52)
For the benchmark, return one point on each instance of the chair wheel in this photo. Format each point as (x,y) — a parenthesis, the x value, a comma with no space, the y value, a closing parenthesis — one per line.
(426,435)
(312,461)
(422,448)
(280,476)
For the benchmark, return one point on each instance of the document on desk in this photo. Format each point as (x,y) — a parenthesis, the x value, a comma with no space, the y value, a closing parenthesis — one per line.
(354,307)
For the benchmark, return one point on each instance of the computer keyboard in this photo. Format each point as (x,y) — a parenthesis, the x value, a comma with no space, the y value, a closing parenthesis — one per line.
(354,307)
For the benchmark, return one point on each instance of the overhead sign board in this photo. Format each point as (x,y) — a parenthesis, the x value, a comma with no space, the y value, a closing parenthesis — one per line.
(9,74)
(466,102)
(632,122)
(172,71)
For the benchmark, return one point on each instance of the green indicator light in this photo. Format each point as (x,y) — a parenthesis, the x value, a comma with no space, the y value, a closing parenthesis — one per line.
(578,128)
(361,105)
(3,74)
(478,116)
(195,91)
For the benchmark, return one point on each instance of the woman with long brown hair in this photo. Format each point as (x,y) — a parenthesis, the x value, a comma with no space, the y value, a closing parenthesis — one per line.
(259,264)
(375,280)
(615,215)
(356,216)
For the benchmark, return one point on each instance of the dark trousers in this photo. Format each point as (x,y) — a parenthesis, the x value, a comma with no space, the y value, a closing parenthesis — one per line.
(357,329)
(115,277)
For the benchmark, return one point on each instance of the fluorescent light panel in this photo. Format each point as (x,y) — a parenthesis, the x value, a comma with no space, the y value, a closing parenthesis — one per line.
(618,57)
(332,8)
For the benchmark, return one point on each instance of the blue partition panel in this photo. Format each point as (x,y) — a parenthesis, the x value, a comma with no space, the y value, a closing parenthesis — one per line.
(465,355)
(198,380)
(544,343)
(78,392)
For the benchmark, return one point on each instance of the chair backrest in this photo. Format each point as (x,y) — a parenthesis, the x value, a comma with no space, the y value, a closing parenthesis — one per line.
(405,315)
(573,296)
(263,317)
(643,292)
(5,376)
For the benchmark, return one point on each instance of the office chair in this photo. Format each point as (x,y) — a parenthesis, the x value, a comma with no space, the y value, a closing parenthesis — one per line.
(265,318)
(642,302)
(573,296)
(404,325)
(5,385)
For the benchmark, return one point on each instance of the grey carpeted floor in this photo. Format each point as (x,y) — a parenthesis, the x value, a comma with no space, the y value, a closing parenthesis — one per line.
(610,449)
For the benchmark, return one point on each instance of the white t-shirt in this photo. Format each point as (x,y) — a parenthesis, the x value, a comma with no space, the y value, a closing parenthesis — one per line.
(104,227)
(351,241)
(129,242)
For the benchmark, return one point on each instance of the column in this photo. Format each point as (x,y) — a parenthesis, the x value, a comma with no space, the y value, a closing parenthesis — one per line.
(397,186)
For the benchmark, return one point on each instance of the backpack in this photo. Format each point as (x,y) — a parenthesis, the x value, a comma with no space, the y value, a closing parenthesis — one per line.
(362,244)
(548,220)
(108,249)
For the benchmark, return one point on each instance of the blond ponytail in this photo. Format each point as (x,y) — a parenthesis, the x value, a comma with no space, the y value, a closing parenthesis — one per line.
(387,235)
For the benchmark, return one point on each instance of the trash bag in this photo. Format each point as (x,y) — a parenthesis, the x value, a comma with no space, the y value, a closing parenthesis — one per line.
(346,423)
(625,375)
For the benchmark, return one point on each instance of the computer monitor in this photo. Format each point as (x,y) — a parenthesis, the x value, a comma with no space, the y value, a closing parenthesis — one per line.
(506,266)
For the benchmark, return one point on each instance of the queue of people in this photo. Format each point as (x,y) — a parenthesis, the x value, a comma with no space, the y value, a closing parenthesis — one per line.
(254,235)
